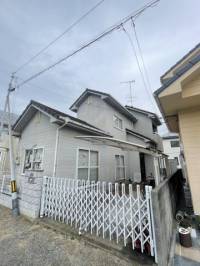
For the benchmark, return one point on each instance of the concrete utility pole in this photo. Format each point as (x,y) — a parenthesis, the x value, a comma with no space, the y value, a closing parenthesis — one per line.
(130,82)
(15,207)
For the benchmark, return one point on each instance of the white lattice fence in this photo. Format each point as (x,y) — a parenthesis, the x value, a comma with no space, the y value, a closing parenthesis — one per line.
(5,183)
(102,208)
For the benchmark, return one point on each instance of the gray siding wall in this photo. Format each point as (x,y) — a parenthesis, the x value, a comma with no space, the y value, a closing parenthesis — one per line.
(38,133)
(143,125)
(67,156)
(100,114)
(97,112)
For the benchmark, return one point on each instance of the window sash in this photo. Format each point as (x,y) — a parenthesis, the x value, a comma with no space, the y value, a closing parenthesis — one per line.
(90,166)
(175,143)
(120,167)
(118,123)
(33,157)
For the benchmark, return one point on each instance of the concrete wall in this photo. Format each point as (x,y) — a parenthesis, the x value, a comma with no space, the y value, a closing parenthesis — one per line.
(164,201)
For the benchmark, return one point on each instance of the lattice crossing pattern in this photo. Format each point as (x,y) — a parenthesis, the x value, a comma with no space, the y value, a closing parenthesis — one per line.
(104,209)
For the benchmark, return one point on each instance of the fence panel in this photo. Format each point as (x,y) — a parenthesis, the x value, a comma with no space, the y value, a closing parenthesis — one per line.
(109,210)
(5,183)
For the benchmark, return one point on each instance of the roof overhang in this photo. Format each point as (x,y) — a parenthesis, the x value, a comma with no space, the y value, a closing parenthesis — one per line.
(153,116)
(32,109)
(178,95)
(107,98)
(121,144)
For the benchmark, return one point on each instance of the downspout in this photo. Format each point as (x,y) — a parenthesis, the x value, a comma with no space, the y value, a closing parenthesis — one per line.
(56,148)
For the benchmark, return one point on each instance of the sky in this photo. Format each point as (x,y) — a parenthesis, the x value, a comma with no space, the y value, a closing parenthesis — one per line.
(166,32)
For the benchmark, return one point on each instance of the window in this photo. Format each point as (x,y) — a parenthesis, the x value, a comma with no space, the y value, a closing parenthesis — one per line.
(120,167)
(33,159)
(175,143)
(177,161)
(88,164)
(118,122)
(162,166)
(154,127)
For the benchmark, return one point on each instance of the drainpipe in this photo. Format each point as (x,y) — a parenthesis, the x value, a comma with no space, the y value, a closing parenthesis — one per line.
(56,148)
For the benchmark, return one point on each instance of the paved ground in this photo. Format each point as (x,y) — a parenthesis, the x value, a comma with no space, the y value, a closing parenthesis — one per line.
(25,243)
(188,256)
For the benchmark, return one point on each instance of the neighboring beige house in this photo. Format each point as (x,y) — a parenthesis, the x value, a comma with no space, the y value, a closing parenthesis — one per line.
(179,102)
(171,147)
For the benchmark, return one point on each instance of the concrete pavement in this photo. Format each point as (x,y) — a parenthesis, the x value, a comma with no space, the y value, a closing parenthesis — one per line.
(25,243)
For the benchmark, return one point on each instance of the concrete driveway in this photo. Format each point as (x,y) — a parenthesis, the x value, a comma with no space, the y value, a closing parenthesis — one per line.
(26,243)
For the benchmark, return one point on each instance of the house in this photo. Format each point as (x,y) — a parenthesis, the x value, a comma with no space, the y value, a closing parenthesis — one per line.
(179,101)
(171,147)
(4,142)
(105,142)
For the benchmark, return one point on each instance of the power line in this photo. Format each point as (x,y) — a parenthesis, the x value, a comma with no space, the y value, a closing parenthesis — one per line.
(105,33)
(59,36)
(141,55)
(139,67)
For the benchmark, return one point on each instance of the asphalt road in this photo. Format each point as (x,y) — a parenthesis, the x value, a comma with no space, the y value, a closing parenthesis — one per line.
(26,243)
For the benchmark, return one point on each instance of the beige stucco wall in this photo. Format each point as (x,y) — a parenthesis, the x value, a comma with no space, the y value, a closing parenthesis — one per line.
(189,124)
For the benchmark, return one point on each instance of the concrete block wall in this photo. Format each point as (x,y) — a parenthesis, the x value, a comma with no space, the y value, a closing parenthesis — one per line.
(164,201)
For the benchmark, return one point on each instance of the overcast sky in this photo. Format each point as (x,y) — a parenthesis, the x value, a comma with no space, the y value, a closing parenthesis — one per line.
(166,32)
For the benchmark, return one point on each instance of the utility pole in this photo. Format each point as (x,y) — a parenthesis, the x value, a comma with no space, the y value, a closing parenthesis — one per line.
(130,82)
(15,206)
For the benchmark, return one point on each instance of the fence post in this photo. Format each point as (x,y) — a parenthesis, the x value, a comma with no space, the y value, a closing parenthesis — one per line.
(116,209)
(131,209)
(124,219)
(43,197)
(139,216)
(109,191)
(153,225)
(149,218)
(103,191)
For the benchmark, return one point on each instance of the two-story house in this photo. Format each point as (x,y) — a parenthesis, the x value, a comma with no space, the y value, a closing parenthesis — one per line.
(106,142)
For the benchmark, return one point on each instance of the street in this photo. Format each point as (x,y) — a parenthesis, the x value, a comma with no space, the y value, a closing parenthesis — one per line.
(26,243)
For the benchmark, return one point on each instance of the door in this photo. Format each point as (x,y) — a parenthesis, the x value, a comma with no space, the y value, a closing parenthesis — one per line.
(142,167)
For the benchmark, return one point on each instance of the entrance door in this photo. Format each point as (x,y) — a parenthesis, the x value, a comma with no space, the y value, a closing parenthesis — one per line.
(142,166)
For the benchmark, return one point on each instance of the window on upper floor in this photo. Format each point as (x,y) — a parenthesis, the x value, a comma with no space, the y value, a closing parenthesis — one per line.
(120,167)
(174,143)
(118,123)
(88,164)
(154,127)
(33,159)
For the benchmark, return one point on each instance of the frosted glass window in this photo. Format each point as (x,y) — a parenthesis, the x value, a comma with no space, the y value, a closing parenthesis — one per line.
(88,164)
(120,167)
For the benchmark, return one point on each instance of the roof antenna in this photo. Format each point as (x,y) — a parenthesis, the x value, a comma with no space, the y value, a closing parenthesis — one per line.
(130,82)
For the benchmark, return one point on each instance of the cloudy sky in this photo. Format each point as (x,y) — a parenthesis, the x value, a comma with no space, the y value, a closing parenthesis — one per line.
(166,32)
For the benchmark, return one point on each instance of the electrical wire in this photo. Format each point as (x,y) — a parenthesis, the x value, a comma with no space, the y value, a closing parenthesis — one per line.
(105,33)
(138,64)
(141,55)
(60,36)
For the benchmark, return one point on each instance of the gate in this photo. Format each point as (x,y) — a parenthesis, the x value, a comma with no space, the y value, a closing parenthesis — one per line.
(115,211)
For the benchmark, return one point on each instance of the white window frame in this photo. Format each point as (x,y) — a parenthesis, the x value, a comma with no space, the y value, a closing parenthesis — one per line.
(89,167)
(31,169)
(124,166)
(119,119)
(173,141)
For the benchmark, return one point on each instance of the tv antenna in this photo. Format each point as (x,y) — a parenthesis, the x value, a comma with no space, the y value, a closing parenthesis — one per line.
(130,82)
